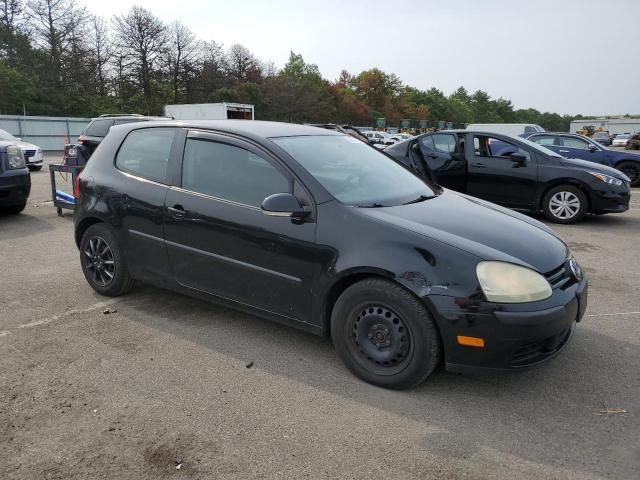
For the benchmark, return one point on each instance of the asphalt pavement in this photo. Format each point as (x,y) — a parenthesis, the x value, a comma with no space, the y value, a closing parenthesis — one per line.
(159,387)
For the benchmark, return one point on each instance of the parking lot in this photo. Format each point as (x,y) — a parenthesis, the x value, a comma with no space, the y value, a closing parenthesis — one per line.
(166,386)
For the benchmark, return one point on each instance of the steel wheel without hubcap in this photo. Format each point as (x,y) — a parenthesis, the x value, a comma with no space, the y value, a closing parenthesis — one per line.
(384,334)
(99,261)
(380,340)
(564,205)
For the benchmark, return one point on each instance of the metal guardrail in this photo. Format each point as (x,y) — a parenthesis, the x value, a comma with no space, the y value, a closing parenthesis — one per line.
(49,133)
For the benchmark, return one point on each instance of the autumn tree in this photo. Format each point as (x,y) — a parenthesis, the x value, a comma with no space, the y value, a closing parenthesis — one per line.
(299,93)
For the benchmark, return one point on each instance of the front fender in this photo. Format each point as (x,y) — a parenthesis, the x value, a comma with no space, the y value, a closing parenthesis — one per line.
(423,266)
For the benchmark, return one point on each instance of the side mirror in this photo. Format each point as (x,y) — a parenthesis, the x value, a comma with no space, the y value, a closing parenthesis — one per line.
(592,148)
(284,205)
(518,158)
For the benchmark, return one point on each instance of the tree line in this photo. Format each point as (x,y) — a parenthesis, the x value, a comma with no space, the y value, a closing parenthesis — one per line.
(58,59)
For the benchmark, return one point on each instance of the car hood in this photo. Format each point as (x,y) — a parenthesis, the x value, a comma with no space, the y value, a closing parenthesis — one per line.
(592,166)
(481,228)
(26,145)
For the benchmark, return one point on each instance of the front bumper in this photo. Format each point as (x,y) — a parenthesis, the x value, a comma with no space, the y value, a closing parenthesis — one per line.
(610,198)
(33,157)
(15,186)
(516,336)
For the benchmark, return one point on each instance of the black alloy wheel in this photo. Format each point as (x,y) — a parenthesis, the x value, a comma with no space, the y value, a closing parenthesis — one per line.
(103,261)
(99,260)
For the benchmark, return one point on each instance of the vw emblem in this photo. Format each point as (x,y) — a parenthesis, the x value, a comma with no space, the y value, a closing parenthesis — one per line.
(575,269)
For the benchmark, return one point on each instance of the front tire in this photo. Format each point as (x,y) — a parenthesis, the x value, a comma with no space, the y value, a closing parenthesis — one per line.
(385,335)
(35,168)
(632,170)
(103,262)
(565,204)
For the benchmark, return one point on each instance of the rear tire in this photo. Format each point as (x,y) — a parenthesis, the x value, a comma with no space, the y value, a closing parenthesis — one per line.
(103,262)
(35,168)
(14,209)
(385,335)
(565,204)
(632,170)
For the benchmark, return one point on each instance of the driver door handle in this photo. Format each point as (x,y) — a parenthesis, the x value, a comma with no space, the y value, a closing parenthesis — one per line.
(478,165)
(177,211)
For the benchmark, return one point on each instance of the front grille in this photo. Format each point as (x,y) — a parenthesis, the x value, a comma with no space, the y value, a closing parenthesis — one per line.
(29,153)
(560,277)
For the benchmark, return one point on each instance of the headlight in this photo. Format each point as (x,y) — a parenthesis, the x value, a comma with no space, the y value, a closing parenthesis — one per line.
(606,178)
(508,283)
(16,159)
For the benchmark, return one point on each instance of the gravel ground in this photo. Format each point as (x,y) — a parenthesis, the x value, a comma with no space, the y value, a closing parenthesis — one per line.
(162,383)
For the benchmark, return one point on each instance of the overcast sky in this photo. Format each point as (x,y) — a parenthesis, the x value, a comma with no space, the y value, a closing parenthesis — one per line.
(561,56)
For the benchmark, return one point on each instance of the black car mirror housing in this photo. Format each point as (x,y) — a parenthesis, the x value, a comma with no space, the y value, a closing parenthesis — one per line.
(518,158)
(284,205)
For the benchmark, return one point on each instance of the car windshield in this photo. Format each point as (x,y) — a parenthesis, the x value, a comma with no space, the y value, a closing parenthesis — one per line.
(4,135)
(622,137)
(538,147)
(353,172)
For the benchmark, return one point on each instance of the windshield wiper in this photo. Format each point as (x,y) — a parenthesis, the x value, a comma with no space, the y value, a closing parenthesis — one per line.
(373,205)
(421,198)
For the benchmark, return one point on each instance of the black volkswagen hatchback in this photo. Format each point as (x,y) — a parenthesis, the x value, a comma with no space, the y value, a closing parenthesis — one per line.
(318,230)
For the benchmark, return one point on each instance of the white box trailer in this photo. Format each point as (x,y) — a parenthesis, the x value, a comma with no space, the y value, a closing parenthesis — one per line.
(210,111)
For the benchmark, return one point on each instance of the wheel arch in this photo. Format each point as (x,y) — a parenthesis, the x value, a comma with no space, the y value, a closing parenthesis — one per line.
(628,159)
(358,275)
(83,226)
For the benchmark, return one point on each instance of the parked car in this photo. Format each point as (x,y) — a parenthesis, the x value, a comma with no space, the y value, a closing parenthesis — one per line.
(514,129)
(378,138)
(98,128)
(400,137)
(516,173)
(621,140)
(576,146)
(634,142)
(602,138)
(15,180)
(32,153)
(314,229)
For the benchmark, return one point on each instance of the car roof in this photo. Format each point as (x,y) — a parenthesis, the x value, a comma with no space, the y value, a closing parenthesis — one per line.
(247,128)
(559,133)
(474,132)
(130,117)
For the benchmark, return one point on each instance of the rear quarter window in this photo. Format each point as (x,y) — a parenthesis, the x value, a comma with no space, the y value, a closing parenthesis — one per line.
(145,153)
(98,128)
